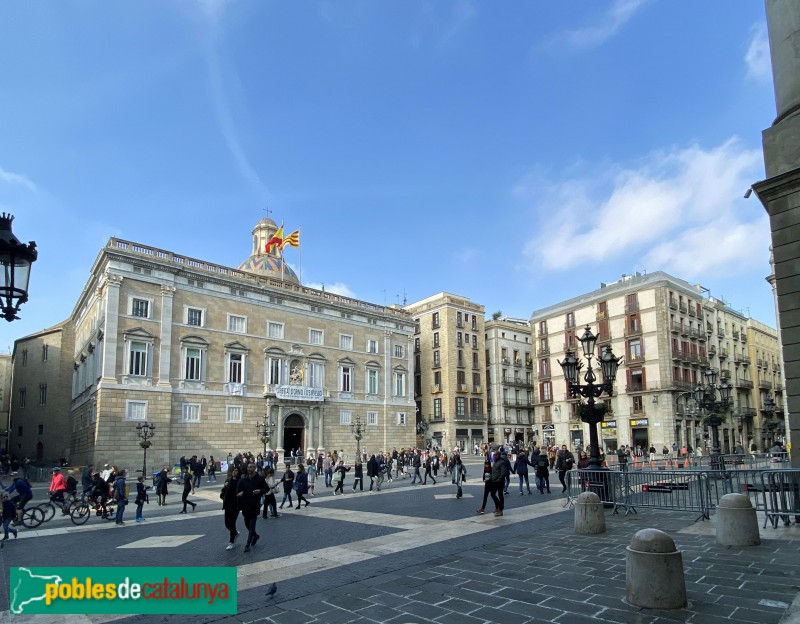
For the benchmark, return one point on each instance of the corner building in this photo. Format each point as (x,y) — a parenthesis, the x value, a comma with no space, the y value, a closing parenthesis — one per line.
(205,351)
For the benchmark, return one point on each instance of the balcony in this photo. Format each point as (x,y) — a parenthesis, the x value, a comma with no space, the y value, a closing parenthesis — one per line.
(735,335)
(477,389)
(744,338)
(723,354)
(463,388)
(746,360)
(737,358)
(509,402)
(677,354)
(692,311)
(778,387)
(682,386)
(602,316)
(634,358)
(528,363)
(724,374)
(744,383)
(471,417)
(505,361)
(673,303)
(519,383)
(699,334)
(633,388)
(684,329)
(712,350)
(436,389)
(569,325)
(631,307)
(764,384)
(603,337)
(518,362)
(544,350)
(674,327)
(745,412)
(544,375)
(720,332)
(571,345)
(682,307)
(633,330)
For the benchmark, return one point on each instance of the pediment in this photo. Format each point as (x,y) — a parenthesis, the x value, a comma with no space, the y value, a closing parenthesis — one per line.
(236,346)
(139,332)
(194,339)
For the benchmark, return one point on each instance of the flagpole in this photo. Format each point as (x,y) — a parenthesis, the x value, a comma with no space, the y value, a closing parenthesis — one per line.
(300,258)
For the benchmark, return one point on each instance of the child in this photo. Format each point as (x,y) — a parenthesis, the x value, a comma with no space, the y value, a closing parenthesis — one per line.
(141,498)
(9,514)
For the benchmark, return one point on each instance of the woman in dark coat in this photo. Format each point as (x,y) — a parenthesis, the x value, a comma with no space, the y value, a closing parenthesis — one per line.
(487,483)
(230,505)
(162,480)
(301,485)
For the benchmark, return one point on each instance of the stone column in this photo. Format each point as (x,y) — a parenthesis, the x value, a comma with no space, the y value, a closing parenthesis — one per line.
(110,338)
(164,359)
(321,421)
(780,195)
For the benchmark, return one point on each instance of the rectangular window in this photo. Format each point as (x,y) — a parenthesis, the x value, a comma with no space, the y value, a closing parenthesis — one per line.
(459,340)
(190,412)
(399,384)
(345,417)
(237,324)
(275,330)
(436,340)
(437,378)
(476,405)
(475,360)
(41,429)
(401,419)
(193,364)
(194,316)
(23,397)
(42,394)
(44,353)
(372,418)
(372,346)
(233,413)
(372,381)
(345,342)
(474,341)
(347,379)
(437,409)
(399,351)
(461,406)
(135,410)
(435,320)
(141,308)
(635,350)
(235,368)
(315,336)
(275,371)
(546,391)
(315,374)
(24,357)
(137,364)
(437,361)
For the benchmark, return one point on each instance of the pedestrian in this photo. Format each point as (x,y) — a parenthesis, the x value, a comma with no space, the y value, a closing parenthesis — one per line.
(327,465)
(358,475)
(250,489)
(520,468)
(459,472)
(270,502)
(372,472)
(312,475)
(338,477)
(230,505)
(188,479)
(551,455)
(543,473)
(141,498)
(564,462)
(9,513)
(583,461)
(652,452)
(499,471)
(199,470)
(301,485)
(212,469)
(507,472)
(288,483)
(161,483)
(428,463)
(120,495)
(416,463)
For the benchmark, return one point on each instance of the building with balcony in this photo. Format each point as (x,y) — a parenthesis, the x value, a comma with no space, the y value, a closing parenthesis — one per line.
(509,382)
(449,369)
(764,353)
(203,351)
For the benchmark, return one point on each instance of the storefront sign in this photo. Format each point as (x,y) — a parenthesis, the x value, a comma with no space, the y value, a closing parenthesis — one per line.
(642,422)
(548,428)
(299,393)
(507,430)
(608,424)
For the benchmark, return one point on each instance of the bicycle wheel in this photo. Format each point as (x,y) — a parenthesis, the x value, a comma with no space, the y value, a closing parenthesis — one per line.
(49,510)
(80,512)
(32,517)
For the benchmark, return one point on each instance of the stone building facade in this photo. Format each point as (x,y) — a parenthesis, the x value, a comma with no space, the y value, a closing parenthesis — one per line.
(206,352)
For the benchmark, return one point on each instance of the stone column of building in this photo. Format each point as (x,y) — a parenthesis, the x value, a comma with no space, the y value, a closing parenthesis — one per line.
(113,283)
(279,431)
(320,419)
(780,194)
(167,297)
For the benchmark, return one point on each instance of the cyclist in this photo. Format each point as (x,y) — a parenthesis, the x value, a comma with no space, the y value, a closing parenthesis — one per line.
(24,494)
(58,486)
(100,493)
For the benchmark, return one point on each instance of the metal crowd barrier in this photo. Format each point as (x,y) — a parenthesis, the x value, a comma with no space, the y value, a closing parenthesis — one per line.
(780,491)
(706,462)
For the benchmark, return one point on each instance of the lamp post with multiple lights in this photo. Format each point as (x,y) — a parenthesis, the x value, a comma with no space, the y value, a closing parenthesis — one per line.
(145,431)
(706,398)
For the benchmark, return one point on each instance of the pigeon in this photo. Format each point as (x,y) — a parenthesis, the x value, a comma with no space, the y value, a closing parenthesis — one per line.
(272,589)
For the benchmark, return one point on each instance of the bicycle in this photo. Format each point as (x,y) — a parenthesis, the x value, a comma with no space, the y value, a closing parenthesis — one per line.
(49,507)
(82,510)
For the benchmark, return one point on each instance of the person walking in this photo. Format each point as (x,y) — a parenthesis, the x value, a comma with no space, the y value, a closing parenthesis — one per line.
(251,487)
(338,477)
(270,502)
(499,471)
(162,481)
(564,463)
(521,470)
(141,497)
(428,464)
(9,514)
(212,469)
(505,460)
(543,473)
(230,505)
(288,484)
(358,475)
(312,476)
(327,466)
(301,485)
(187,489)
(487,483)
(120,496)
(416,462)
(459,472)
(372,471)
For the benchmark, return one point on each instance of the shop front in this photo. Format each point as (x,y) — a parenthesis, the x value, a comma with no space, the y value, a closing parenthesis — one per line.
(548,435)
(576,437)
(608,432)
(640,433)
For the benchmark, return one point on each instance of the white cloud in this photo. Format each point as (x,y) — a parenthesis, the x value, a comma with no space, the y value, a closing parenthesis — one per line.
(757,58)
(463,12)
(337,287)
(680,210)
(9,177)
(618,14)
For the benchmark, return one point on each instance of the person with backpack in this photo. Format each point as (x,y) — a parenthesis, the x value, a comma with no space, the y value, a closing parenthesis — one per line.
(120,495)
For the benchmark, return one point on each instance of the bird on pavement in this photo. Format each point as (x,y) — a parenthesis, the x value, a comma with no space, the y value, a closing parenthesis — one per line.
(272,589)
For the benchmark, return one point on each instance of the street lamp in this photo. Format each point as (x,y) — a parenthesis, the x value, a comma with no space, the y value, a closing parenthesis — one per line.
(145,431)
(590,414)
(769,412)
(16,260)
(264,430)
(357,433)
(706,398)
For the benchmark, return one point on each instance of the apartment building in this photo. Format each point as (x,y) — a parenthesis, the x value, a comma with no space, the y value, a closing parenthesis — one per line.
(764,353)
(509,382)
(449,349)
(205,351)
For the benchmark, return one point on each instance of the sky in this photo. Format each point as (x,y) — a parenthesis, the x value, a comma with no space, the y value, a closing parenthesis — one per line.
(515,153)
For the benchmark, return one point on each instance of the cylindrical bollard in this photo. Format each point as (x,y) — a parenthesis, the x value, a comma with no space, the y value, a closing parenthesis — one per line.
(589,516)
(654,572)
(736,520)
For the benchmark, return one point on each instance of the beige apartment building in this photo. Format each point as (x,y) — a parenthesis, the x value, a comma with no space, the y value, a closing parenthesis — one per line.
(5,401)
(668,332)
(509,382)
(449,388)
(207,352)
(764,352)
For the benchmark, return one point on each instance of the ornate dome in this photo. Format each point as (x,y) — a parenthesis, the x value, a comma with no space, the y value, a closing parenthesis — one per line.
(269,264)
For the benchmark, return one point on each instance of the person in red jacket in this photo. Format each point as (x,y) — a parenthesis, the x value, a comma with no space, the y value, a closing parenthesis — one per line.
(58,486)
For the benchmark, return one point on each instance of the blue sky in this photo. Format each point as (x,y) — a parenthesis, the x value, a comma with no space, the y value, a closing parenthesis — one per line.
(517,153)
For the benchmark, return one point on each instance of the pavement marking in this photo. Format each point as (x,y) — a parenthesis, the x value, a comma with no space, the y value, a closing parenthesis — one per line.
(162,541)
(453,496)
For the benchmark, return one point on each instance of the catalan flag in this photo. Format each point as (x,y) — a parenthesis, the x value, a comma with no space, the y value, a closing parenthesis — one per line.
(293,239)
(277,239)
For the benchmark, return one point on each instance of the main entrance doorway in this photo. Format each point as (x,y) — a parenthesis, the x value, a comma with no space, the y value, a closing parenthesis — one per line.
(293,430)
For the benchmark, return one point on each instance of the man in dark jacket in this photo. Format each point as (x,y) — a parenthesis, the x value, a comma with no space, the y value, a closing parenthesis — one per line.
(373,470)
(565,460)
(520,468)
(250,489)
(507,462)
(499,472)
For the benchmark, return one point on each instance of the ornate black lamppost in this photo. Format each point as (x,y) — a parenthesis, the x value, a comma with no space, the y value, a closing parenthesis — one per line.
(264,430)
(590,414)
(15,269)
(706,398)
(357,434)
(145,431)
(769,412)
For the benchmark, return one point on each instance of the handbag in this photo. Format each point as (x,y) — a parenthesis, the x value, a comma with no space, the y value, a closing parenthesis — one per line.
(296,486)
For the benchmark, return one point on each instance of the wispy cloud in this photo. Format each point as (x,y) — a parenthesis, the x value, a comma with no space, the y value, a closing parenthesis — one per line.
(461,15)
(610,23)
(757,58)
(680,210)
(336,287)
(9,177)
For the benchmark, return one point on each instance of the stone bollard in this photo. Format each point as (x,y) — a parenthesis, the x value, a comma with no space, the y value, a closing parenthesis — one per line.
(654,572)
(737,524)
(589,516)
